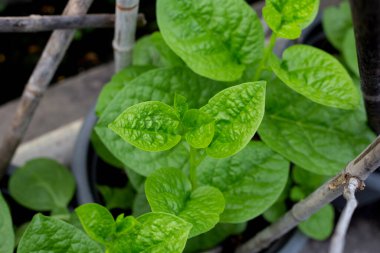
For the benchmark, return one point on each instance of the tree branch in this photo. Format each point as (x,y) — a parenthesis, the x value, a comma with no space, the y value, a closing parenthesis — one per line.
(367,162)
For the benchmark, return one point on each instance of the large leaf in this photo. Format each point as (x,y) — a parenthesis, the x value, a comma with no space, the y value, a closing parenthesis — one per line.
(320,225)
(158,85)
(349,52)
(170,191)
(308,134)
(238,112)
(215,38)
(316,75)
(287,18)
(7,236)
(42,185)
(45,234)
(150,126)
(250,181)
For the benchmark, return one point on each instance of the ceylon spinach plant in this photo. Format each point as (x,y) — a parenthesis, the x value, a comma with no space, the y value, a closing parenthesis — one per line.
(180,122)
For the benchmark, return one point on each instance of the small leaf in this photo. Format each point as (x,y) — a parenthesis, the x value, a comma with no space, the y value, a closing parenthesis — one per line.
(125,224)
(238,112)
(180,104)
(275,212)
(287,18)
(170,191)
(199,127)
(56,236)
(320,225)
(316,75)
(250,186)
(117,197)
(150,126)
(7,237)
(349,52)
(42,185)
(215,38)
(97,221)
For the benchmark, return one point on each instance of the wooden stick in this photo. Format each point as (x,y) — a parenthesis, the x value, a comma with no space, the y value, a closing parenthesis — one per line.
(125,29)
(37,84)
(37,23)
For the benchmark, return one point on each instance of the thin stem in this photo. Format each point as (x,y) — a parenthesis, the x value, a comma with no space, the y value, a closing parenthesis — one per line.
(267,53)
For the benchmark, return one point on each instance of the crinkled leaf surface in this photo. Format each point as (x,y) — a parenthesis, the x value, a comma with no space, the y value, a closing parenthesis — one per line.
(200,128)
(159,85)
(46,234)
(250,181)
(287,18)
(170,191)
(238,112)
(320,225)
(154,233)
(42,185)
(180,105)
(336,22)
(150,126)
(317,138)
(349,51)
(215,38)
(316,75)
(152,50)
(7,236)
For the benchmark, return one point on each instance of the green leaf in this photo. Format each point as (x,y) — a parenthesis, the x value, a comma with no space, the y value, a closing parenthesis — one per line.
(336,21)
(46,234)
(140,204)
(158,85)
(170,191)
(102,151)
(154,233)
(316,75)
(19,232)
(238,112)
(349,52)
(42,185)
(199,127)
(152,50)
(275,212)
(180,104)
(307,180)
(287,18)
(125,224)
(307,133)
(7,237)
(249,186)
(117,197)
(320,225)
(215,38)
(150,126)
(136,180)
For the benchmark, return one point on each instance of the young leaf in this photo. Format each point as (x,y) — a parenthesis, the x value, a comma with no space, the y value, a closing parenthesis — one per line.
(117,197)
(316,75)
(349,52)
(42,185)
(320,225)
(308,134)
(238,112)
(7,237)
(170,191)
(200,128)
(249,186)
(180,104)
(150,126)
(45,234)
(215,38)
(97,221)
(287,18)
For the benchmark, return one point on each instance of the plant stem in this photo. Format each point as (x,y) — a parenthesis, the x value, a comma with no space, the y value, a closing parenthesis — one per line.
(267,53)
(196,157)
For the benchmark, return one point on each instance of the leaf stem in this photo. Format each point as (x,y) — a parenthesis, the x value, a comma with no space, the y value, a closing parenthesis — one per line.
(268,51)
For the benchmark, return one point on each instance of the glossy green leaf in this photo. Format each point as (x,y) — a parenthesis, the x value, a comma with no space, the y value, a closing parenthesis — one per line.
(308,180)
(158,85)
(316,75)
(238,112)
(180,104)
(349,52)
(249,186)
(154,233)
(170,191)
(115,197)
(213,42)
(45,234)
(103,152)
(97,221)
(287,18)
(199,127)
(336,22)
(125,224)
(7,237)
(152,50)
(320,225)
(42,185)
(307,133)
(150,126)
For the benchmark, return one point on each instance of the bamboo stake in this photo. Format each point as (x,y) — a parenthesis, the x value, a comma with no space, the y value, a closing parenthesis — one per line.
(125,28)
(37,84)
(37,23)
(366,163)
